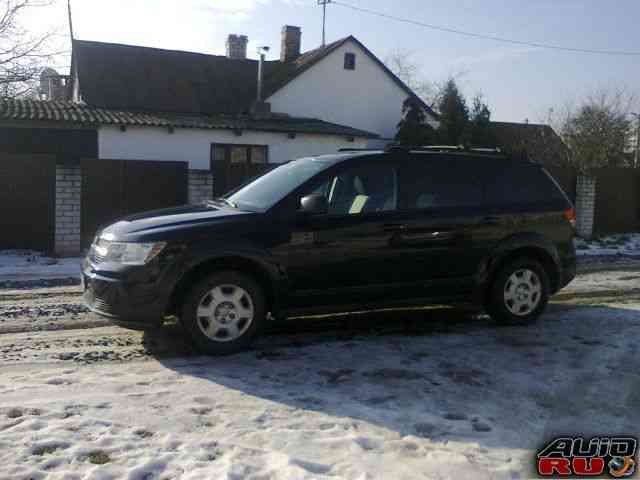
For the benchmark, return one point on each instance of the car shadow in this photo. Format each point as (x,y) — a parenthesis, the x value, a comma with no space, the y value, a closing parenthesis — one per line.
(442,374)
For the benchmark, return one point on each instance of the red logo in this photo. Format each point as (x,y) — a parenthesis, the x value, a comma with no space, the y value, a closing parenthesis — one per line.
(576,457)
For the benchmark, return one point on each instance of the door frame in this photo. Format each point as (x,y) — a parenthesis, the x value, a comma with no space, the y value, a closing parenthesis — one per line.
(220,169)
(286,214)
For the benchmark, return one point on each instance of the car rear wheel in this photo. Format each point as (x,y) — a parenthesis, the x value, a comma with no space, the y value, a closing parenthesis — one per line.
(519,292)
(224,313)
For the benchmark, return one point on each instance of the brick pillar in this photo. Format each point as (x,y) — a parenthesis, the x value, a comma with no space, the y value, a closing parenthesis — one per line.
(200,186)
(68,193)
(585,205)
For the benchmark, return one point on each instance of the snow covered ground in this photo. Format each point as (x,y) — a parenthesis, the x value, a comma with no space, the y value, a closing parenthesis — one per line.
(403,395)
(602,281)
(16,265)
(622,244)
(433,394)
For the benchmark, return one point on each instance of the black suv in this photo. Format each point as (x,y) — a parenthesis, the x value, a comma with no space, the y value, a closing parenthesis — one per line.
(345,232)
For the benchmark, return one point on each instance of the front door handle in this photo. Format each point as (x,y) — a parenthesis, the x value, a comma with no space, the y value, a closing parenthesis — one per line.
(491,221)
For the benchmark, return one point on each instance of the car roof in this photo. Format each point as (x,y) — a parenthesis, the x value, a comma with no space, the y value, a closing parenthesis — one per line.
(478,154)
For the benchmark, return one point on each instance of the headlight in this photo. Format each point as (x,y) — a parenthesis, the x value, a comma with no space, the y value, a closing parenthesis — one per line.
(127,253)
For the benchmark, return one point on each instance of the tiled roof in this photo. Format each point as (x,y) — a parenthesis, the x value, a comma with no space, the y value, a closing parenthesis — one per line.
(68,112)
(150,79)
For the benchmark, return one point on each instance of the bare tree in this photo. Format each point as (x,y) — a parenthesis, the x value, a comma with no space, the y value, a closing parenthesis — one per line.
(401,63)
(22,53)
(597,130)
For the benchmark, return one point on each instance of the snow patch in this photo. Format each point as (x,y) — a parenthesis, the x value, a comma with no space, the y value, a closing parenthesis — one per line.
(620,244)
(31,265)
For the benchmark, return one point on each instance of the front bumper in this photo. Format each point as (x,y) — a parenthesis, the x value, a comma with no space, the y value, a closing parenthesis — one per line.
(134,297)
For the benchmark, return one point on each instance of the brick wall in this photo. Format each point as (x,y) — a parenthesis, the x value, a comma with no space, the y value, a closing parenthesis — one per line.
(68,200)
(200,186)
(585,205)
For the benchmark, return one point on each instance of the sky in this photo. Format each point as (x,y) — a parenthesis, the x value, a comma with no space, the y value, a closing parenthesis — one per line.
(518,82)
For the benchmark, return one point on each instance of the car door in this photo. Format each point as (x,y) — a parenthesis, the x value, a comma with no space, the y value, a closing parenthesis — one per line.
(446,233)
(344,256)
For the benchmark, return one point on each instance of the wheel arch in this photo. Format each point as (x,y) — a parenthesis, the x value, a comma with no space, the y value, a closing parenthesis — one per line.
(526,246)
(261,273)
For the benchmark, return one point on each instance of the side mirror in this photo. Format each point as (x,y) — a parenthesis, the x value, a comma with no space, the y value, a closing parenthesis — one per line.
(314,204)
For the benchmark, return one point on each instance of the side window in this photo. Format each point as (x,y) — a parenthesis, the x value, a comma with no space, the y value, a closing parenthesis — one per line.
(439,183)
(360,190)
(520,185)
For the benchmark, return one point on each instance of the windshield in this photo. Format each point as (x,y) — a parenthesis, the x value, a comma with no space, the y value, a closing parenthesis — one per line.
(270,188)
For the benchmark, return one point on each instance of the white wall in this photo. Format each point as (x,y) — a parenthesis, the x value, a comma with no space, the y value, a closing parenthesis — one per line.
(194,146)
(366,98)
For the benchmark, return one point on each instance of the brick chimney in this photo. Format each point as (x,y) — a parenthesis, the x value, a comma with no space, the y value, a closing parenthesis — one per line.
(237,46)
(291,43)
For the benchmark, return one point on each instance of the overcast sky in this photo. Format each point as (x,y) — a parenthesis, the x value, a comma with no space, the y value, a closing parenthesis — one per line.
(518,82)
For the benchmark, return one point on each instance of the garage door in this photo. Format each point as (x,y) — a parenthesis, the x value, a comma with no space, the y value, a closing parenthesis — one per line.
(27,201)
(112,189)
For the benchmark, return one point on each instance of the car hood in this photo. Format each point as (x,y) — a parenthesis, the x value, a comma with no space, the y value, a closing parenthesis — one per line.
(166,223)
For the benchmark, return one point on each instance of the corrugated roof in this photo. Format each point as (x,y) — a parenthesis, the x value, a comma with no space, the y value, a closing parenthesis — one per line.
(17,110)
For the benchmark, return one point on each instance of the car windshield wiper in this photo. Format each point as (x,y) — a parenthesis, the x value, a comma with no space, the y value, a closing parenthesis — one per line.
(223,201)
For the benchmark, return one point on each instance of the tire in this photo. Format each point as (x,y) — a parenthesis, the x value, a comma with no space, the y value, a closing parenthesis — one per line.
(224,313)
(519,292)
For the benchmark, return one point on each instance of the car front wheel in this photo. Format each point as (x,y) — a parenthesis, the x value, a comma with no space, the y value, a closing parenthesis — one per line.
(224,313)
(519,293)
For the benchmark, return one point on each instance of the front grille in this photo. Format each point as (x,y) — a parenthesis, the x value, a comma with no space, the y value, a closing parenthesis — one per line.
(100,296)
(102,305)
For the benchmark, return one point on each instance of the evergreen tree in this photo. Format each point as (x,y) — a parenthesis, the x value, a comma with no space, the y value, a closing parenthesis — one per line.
(454,115)
(413,128)
(480,131)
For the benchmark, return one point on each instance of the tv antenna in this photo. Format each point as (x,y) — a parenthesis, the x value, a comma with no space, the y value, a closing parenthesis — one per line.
(70,19)
(324,20)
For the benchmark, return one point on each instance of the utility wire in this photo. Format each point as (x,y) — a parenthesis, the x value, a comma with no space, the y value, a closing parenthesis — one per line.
(486,37)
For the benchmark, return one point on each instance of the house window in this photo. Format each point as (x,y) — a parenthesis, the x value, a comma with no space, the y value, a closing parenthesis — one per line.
(258,154)
(241,154)
(349,61)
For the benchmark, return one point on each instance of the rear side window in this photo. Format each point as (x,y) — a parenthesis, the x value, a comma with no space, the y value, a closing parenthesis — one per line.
(440,183)
(521,184)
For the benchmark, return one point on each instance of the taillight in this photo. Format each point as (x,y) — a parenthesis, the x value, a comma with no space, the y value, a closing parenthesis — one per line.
(570,214)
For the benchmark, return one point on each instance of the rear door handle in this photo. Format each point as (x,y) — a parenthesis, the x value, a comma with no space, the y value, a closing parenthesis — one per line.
(394,227)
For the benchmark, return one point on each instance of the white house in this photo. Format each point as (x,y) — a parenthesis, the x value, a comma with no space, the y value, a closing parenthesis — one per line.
(342,83)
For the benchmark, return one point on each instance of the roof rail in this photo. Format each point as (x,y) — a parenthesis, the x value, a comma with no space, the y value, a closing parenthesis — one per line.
(346,150)
(442,148)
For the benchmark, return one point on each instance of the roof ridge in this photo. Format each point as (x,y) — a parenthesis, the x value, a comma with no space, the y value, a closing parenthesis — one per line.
(522,124)
(159,49)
